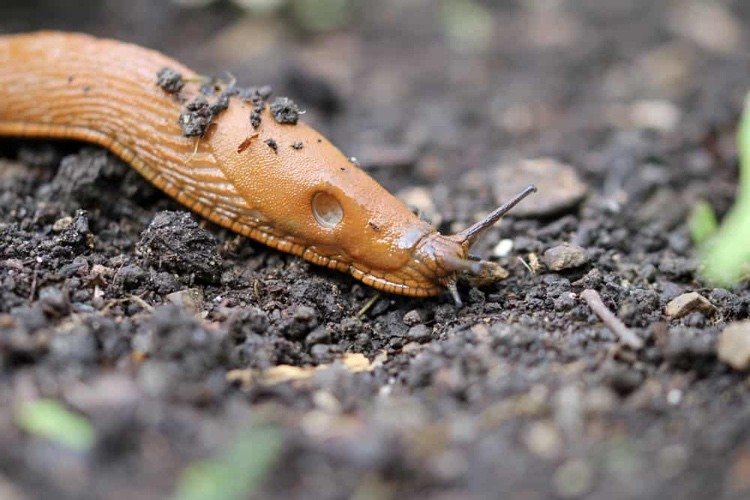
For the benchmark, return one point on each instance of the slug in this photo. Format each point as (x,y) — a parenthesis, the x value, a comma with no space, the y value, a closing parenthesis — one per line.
(231,157)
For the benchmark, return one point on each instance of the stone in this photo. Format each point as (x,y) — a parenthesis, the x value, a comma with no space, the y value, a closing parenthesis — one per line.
(62,224)
(419,333)
(190,299)
(559,187)
(655,114)
(733,347)
(564,256)
(543,440)
(503,248)
(420,199)
(686,303)
(412,318)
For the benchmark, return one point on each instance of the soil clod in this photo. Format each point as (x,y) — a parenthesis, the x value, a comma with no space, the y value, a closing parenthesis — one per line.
(169,80)
(285,111)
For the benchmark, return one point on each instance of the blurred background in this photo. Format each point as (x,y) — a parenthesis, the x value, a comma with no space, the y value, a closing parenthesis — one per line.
(448,87)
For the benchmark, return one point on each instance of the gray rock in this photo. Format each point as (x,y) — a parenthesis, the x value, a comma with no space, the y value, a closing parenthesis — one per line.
(418,333)
(412,318)
(564,257)
(559,186)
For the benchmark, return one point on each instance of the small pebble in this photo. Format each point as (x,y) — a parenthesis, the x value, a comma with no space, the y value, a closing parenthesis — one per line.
(686,303)
(420,198)
(418,333)
(733,347)
(190,299)
(62,224)
(564,257)
(412,318)
(655,114)
(304,313)
(543,440)
(559,186)
(503,248)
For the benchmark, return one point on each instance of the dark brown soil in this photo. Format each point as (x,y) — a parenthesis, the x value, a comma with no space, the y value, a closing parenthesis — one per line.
(523,393)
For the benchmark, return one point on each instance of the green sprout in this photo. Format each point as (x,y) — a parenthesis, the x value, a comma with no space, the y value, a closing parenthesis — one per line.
(321,15)
(703,223)
(237,472)
(468,24)
(725,255)
(49,419)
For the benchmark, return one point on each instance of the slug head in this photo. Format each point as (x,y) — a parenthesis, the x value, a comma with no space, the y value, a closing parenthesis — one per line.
(308,199)
(442,259)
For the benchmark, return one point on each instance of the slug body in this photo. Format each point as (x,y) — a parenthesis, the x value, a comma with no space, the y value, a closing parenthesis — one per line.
(282,184)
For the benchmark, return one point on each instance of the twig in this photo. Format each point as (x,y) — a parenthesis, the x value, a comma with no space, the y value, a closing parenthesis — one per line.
(528,267)
(144,305)
(33,283)
(130,298)
(367,306)
(625,334)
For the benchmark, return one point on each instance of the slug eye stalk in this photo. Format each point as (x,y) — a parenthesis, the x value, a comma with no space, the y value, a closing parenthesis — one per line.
(464,263)
(471,234)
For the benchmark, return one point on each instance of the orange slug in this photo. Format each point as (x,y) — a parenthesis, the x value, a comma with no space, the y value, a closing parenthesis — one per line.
(230,156)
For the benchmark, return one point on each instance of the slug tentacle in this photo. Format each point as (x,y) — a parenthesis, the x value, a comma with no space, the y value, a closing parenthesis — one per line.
(444,258)
(227,154)
(471,234)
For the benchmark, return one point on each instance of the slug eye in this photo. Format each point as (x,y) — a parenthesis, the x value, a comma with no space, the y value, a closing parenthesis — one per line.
(327,210)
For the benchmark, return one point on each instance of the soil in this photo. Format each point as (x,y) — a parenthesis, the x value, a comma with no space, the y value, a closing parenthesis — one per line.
(162,329)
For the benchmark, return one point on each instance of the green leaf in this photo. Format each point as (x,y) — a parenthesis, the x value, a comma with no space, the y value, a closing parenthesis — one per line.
(468,24)
(49,419)
(703,223)
(236,473)
(321,15)
(726,256)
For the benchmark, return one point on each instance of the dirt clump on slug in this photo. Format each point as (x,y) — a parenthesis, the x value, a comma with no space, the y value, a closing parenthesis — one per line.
(200,111)
(272,144)
(169,80)
(170,340)
(196,118)
(285,111)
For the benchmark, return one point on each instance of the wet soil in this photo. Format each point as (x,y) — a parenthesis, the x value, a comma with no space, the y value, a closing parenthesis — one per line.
(157,326)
